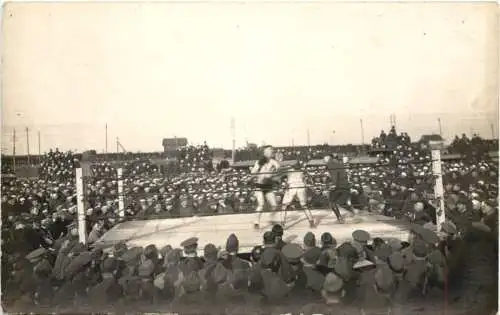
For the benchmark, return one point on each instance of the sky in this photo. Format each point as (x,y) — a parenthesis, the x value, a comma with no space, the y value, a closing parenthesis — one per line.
(157,70)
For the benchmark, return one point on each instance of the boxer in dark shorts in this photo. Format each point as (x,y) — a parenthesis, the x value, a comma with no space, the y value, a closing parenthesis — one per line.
(340,192)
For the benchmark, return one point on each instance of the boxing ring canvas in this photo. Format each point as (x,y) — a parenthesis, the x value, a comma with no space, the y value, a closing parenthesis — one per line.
(216,229)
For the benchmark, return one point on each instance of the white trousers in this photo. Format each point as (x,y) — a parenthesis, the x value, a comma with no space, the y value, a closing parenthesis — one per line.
(291,193)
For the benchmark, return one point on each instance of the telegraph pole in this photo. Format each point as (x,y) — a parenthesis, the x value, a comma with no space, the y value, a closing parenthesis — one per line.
(14,150)
(106,150)
(308,138)
(492,131)
(233,135)
(28,144)
(362,132)
(39,145)
(440,128)
(117,144)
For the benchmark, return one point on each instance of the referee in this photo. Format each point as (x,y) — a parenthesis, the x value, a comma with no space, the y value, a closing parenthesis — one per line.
(340,187)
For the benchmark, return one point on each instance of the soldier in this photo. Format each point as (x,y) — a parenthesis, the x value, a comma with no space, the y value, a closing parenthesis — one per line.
(362,237)
(108,291)
(328,253)
(293,254)
(233,261)
(277,232)
(376,299)
(314,278)
(209,285)
(274,287)
(42,270)
(191,261)
(190,266)
(416,269)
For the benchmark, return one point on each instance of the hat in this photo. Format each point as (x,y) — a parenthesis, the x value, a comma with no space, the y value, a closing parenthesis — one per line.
(419,248)
(361,236)
(448,227)
(333,283)
(232,244)
(277,230)
(311,256)
(328,239)
(292,252)
(210,251)
(190,242)
(383,252)
(384,279)
(309,239)
(396,262)
(347,250)
(395,244)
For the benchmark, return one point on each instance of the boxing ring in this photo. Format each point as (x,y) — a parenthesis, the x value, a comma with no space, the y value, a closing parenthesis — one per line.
(215,229)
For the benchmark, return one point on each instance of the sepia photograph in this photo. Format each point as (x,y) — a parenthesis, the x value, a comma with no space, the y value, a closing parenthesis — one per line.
(260,157)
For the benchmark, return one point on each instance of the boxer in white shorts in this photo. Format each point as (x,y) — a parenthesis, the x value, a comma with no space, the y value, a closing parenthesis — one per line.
(297,188)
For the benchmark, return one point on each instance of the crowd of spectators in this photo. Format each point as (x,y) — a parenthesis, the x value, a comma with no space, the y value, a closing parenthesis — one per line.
(36,213)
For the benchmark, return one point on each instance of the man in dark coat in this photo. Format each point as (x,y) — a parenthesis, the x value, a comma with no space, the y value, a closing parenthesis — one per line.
(340,188)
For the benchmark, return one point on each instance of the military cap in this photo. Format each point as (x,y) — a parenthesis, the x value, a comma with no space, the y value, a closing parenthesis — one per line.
(109,264)
(132,255)
(347,250)
(362,264)
(309,239)
(328,239)
(190,242)
(333,283)
(384,279)
(269,259)
(311,256)
(150,251)
(232,244)
(396,262)
(36,254)
(277,230)
(449,228)
(383,252)
(292,252)
(268,238)
(210,251)
(146,269)
(361,236)
(419,249)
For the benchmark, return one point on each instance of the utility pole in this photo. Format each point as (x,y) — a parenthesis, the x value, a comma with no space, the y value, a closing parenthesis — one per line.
(362,132)
(308,138)
(106,150)
(28,144)
(39,144)
(492,132)
(117,144)
(440,128)
(14,150)
(233,135)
